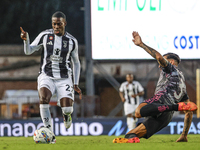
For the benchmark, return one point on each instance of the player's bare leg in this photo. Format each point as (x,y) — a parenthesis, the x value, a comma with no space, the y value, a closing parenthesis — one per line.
(133,135)
(140,131)
(137,111)
(67,109)
(154,109)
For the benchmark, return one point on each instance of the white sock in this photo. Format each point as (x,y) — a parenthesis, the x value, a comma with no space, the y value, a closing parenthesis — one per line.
(135,122)
(45,115)
(130,123)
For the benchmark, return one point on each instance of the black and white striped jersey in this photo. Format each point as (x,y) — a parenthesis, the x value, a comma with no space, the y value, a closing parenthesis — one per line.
(130,89)
(58,52)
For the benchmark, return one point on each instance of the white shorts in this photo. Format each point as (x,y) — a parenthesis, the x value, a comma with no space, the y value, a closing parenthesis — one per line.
(62,87)
(129,108)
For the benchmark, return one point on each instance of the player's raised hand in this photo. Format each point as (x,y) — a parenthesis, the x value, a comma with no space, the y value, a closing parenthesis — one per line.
(78,90)
(136,38)
(23,34)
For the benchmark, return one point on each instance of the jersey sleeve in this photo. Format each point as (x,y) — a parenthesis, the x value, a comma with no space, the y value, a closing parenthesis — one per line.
(34,46)
(140,88)
(169,68)
(76,63)
(121,88)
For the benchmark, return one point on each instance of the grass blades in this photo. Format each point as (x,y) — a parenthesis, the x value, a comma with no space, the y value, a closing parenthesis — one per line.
(156,142)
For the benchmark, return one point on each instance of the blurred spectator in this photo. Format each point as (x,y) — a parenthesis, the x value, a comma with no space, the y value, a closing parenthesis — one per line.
(15,114)
(33,112)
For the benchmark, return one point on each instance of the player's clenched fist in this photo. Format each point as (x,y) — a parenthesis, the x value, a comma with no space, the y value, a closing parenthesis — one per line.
(78,90)
(23,34)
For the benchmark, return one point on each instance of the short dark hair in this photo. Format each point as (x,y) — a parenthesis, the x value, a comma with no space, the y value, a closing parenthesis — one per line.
(130,74)
(59,14)
(173,56)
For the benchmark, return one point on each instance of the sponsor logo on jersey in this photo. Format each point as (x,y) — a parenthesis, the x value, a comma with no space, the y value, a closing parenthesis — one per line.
(56,58)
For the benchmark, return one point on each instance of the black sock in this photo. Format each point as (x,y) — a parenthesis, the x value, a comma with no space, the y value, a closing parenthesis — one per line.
(131,135)
(155,109)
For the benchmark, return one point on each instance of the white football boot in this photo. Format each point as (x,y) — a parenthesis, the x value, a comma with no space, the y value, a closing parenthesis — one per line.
(53,140)
(67,120)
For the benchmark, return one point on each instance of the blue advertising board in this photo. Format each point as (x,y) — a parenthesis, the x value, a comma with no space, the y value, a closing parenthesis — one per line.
(88,126)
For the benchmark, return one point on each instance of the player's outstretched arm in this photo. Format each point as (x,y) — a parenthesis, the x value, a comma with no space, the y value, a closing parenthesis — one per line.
(121,94)
(155,54)
(187,123)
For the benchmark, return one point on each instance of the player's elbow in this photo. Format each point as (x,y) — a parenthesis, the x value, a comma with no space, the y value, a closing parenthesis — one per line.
(159,57)
(28,50)
(27,53)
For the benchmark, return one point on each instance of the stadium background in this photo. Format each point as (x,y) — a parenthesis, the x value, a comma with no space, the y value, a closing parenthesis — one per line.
(18,73)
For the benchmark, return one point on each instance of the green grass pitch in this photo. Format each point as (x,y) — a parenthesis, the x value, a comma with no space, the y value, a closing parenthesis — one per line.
(156,142)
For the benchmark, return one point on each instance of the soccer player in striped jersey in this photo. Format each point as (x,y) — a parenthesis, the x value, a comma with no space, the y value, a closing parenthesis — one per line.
(59,54)
(170,95)
(129,92)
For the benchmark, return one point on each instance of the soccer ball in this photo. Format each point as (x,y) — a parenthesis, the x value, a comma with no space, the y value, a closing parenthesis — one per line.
(43,135)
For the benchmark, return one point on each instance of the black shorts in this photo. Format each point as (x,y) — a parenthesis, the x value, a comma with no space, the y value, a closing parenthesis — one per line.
(156,123)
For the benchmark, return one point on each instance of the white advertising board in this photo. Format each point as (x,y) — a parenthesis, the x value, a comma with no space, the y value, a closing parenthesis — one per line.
(165,25)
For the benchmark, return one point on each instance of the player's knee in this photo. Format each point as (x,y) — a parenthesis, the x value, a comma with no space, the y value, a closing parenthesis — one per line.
(137,113)
(44,100)
(67,110)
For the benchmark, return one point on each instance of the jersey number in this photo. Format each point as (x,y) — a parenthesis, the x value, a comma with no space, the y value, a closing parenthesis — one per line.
(68,88)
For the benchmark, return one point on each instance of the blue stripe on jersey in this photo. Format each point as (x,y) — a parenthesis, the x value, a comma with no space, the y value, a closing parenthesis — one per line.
(49,46)
(64,51)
